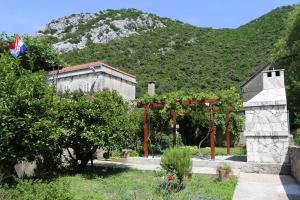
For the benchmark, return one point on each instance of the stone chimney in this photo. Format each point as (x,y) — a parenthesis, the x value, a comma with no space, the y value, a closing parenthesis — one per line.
(273,79)
(151,88)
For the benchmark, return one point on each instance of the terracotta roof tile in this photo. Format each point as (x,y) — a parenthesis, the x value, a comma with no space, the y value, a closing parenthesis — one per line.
(87,65)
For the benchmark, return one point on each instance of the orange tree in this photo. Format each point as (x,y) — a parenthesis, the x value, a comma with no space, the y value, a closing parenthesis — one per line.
(102,119)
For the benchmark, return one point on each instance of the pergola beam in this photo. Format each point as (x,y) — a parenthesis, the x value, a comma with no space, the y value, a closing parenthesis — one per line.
(186,103)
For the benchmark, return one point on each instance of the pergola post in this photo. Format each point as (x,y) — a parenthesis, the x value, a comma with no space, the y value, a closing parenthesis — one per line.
(227,132)
(212,134)
(174,128)
(206,101)
(146,131)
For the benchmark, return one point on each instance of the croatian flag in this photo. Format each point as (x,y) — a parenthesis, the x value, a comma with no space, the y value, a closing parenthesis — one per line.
(18,47)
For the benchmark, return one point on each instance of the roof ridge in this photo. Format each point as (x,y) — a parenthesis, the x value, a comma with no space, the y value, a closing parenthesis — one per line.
(86,65)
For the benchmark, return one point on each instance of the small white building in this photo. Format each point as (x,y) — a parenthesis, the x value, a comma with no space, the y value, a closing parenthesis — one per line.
(93,77)
(266,117)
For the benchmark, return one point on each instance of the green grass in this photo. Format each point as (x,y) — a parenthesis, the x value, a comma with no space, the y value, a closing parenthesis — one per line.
(128,184)
(122,184)
(220,151)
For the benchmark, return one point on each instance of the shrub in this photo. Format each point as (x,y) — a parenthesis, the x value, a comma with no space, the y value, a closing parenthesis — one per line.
(225,168)
(163,141)
(193,150)
(296,137)
(106,155)
(177,161)
(140,150)
(223,172)
(134,154)
(38,190)
(116,154)
(170,183)
(166,141)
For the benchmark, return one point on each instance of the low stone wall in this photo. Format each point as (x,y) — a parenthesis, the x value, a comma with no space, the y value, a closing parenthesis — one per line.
(294,153)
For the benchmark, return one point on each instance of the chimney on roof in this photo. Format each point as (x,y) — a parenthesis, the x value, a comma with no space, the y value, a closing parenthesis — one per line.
(273,79)
(151,88)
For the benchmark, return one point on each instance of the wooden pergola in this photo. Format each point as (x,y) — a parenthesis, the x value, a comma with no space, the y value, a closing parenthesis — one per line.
(205,101)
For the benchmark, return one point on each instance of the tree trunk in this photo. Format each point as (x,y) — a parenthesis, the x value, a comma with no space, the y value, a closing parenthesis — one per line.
(85,158)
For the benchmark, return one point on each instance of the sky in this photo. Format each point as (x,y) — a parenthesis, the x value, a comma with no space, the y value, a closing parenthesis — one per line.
(27,16)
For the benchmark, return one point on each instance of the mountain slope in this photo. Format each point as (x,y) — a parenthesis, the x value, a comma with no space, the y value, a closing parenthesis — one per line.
(184,57)
(78,30)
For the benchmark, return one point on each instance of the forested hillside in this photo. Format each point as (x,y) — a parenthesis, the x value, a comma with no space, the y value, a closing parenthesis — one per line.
(184,57)
(287,56)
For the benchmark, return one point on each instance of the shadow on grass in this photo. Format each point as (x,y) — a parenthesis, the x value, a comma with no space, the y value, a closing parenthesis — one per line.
(102,172)
(45,177)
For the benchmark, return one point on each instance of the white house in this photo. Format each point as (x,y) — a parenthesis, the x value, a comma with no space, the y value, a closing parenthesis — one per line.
(92,77)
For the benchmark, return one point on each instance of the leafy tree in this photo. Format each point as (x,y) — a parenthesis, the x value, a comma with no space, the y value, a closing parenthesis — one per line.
(28,129)
(27,105)
(39,54)
(286,55)
(100,120)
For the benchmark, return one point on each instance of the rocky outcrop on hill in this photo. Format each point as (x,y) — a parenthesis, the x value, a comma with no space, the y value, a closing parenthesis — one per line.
(79,30)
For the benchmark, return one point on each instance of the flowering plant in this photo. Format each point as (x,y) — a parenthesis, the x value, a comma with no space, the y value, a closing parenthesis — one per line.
(169,183)
(170,178)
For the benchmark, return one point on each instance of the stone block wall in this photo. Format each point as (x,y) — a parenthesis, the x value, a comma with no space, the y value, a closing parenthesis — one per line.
(267,134)
(294,153)
(267,149)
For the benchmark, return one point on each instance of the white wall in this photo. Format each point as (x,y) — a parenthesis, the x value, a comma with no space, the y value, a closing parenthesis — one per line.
(97,79)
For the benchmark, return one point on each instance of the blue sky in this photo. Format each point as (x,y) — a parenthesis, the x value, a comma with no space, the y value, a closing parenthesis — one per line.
(27,16)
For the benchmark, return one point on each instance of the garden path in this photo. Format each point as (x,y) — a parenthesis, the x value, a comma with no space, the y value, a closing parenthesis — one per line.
(266,187)
(155,166)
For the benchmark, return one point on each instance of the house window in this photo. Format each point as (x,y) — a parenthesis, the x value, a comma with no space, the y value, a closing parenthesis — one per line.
(86,87)
(277,73)
(269,74)
(66,88)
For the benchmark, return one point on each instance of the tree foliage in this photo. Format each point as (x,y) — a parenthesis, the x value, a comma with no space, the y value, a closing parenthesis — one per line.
(101,120)
(39,54)
(193,120)
(28,128)
(189,58)
(287,55)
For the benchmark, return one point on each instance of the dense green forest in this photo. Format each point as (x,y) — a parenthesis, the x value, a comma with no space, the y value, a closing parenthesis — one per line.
(184,57)
(287,56)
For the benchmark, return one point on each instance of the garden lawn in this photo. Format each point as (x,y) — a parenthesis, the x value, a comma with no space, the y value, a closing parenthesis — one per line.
(133,184)
(117,184)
